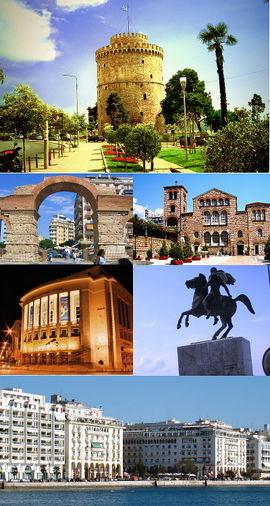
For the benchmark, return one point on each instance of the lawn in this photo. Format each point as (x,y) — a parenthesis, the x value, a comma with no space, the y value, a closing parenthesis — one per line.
(195,162)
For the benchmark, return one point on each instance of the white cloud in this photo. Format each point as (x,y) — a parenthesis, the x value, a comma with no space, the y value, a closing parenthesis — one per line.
(148,366)
(101,19)
(148,325)
(73,5)
(25,35)
(139,210)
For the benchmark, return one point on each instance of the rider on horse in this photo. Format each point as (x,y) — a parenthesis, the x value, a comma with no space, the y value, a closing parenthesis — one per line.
(216,280)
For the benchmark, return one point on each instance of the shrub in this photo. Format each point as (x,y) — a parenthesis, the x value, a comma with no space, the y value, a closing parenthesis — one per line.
(241,146)
(163,252)
(149,253)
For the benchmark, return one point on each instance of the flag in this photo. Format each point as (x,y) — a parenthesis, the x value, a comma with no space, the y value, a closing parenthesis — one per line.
(124,8)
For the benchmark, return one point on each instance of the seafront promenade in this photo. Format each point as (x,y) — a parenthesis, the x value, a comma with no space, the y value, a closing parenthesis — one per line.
(71,485)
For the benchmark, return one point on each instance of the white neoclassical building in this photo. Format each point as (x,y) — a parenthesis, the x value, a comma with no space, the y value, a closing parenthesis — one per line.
(93,442)
(32,437)
(61,439)
(212,445)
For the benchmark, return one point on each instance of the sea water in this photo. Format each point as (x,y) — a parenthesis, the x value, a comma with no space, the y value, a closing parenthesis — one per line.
(133,496)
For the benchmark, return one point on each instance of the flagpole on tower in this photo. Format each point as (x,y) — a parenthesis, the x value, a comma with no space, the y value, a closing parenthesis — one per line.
(125,8)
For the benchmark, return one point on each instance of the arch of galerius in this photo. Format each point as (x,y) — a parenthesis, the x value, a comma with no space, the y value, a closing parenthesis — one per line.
(19,211)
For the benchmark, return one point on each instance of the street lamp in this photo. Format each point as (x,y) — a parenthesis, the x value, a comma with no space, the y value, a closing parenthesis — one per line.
(183,84)
(77,99)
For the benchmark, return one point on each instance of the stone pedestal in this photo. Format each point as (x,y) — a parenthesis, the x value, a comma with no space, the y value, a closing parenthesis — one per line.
(223,357)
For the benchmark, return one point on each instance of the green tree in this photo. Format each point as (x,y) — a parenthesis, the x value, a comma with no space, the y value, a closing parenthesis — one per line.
(241,146)
(163,251)
(92,118)
(110,134)
(215,37)
(2,245)
(24,112)
(215,120)
(121,135)
(143,143)
(257,107)
(70,243)
(187,249)
(57,472)
(230,474)
(198,101)
(116,110)
(185,466)
(43,470)
(46,244)
(267,250)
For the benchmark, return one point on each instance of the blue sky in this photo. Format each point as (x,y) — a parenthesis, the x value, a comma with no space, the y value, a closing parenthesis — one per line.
(240,402)
(57,203)
(148,189)
(41,39)
(160,296)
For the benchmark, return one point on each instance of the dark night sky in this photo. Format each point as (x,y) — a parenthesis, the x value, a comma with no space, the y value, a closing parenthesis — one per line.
(16,280)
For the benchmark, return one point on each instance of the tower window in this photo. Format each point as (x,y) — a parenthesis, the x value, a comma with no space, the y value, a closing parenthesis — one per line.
(104,65)
(141,113)
(142,61)
(151,76)
(144,96)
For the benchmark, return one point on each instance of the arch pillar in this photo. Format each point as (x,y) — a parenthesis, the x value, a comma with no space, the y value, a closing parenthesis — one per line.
(109,232)
(22,236)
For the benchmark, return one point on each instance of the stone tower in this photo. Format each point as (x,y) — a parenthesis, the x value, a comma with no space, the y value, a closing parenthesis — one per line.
(175,204)
(132,68)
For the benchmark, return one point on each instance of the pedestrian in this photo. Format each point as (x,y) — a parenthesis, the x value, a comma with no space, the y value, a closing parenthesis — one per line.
(73,255)
(100,257)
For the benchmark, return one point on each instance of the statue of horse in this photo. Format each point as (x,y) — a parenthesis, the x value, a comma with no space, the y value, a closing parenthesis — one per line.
(225,307)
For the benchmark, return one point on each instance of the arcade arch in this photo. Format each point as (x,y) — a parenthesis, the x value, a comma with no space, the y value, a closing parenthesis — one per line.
(20,212)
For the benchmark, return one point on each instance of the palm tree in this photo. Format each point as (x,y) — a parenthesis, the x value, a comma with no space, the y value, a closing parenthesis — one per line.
(2,76)
(214,37)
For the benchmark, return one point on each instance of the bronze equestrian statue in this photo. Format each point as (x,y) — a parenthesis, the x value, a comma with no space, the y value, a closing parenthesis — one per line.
(213,303)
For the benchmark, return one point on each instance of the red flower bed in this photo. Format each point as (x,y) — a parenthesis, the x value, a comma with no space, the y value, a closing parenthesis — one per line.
(176,262)
(196,258)
(188,260)
(106,145)
(163,258)
(148,259)
(123,159)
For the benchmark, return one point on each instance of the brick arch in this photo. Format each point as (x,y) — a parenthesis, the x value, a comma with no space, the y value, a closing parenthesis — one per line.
(110,214)
(57,184)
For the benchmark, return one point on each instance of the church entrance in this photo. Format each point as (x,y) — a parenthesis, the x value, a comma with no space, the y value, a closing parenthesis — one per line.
(240,248)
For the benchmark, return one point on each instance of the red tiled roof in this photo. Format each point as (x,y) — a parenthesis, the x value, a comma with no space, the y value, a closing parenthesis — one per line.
(258,204)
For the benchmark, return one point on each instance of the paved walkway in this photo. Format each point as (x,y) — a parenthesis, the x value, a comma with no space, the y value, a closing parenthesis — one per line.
(85,158)
(217,260)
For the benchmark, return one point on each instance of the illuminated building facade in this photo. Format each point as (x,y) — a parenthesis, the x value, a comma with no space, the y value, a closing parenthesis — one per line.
(81,322)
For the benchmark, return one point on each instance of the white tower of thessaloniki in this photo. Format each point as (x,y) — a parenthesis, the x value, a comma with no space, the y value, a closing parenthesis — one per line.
(132,68)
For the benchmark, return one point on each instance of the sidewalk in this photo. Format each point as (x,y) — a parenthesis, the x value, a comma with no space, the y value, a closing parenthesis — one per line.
(85,158)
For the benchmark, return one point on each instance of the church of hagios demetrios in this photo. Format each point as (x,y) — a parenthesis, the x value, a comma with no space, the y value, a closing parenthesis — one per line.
(216,222)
